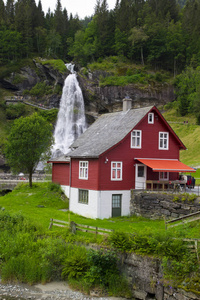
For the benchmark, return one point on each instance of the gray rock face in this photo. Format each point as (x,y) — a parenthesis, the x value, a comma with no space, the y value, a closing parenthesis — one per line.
(97,99)
(109,98)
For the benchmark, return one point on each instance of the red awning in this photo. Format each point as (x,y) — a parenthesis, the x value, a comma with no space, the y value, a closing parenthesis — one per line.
(165,165)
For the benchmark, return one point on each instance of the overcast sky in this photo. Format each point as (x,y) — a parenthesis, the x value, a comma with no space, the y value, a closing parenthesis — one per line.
(82,7)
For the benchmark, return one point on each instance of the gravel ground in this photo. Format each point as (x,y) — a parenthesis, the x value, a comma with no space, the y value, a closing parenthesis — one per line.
(50,291)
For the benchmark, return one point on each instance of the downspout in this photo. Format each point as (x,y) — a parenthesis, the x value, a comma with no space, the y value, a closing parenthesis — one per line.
(99,192)
(70,183)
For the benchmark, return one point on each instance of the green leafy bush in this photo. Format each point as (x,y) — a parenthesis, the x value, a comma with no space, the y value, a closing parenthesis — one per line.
(121,240)
(14,111)
(54,187)
(76,264)
(49,115)
(40,89)
(102,264)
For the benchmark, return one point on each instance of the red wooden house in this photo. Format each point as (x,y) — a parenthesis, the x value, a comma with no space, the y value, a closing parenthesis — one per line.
(121,151)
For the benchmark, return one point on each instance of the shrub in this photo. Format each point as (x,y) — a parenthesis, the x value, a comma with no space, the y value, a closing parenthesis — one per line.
(54,187)
(76,264)
(118,286)
(14,111)
(102,264)
(23,268)
(49,115)
(40,89)
(121,240)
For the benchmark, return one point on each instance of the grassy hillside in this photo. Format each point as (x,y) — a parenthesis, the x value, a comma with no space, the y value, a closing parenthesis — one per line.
(189,133)
(45,201)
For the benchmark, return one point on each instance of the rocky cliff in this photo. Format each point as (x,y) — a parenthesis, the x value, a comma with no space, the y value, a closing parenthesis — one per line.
(109,98)
(97,99)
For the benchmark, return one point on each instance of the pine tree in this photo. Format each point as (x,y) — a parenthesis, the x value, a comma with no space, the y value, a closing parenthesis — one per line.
(10,12)
(2,13)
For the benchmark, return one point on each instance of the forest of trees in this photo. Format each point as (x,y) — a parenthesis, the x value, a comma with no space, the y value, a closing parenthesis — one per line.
(163,34)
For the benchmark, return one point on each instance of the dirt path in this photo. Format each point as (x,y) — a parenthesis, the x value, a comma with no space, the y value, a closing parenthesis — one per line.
(49,291)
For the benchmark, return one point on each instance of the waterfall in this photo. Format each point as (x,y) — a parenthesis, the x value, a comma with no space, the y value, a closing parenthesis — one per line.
(71,121)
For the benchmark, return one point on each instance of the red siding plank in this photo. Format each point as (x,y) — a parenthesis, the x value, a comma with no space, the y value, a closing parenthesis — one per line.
(60,173)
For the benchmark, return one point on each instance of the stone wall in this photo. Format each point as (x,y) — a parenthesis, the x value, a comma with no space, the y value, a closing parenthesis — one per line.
(146,279)
(161,205)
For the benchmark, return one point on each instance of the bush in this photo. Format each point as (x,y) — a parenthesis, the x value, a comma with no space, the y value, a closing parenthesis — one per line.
(102,264)
(40,89)
(49,115)
(76,264)
(14,111)
(54,187)
(121,240)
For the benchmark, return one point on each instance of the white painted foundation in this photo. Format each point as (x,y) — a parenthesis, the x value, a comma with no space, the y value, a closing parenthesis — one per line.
(99,203)
(65,189)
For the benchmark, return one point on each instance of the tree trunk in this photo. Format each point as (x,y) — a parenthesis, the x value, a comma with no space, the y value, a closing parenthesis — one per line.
(30,178)
(174,67)
(142,57)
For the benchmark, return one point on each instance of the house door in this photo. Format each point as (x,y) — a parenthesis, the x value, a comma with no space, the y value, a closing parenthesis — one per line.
(140,176)
(116,205)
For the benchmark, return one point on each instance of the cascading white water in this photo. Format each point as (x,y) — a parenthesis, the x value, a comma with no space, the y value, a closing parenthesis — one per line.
(71,121)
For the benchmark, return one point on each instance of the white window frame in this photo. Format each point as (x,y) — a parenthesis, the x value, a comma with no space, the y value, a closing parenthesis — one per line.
(151,118)
(115,167)
(163,176)
(137,136)
(83,196)
(83,169)
(164,137)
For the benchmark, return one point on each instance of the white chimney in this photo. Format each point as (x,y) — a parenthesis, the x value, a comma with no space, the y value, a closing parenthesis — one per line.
(127,103)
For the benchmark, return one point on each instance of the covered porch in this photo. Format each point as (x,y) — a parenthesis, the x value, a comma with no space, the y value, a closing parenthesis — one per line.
(161,174)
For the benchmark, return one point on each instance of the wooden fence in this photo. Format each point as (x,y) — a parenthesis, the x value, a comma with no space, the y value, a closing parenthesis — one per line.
(183,220)
(58,223)
(74,227)
(192,244)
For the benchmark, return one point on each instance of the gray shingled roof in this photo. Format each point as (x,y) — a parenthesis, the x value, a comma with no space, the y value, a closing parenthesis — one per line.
(62,158)
(105,132)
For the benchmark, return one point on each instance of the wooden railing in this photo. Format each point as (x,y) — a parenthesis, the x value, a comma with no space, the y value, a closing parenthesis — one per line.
(183,220)
(166,185)
(58,223)
(74,227)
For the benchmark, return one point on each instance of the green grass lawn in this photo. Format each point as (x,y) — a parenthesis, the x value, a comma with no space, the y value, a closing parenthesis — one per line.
(43,202)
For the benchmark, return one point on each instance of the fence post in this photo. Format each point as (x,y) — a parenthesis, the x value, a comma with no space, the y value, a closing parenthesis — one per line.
(196,249)
(51,223)
(73,227)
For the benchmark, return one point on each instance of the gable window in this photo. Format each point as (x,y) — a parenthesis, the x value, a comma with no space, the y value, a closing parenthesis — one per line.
(163,175)
(83,169)
(116,170)
(136,139)
(83,196)
(151,118)
(163,140)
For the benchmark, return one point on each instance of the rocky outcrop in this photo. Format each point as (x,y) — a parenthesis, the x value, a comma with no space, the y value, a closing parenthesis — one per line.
(145,276)
(109,98)
(28,76)
(97,99)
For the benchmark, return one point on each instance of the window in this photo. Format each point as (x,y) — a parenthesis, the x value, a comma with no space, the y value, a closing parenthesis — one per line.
(116,201)
(83,196)
(151,118)
(136,139)
(163,140)
(83,169)
(163,175)
(116,170)
(140,171)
